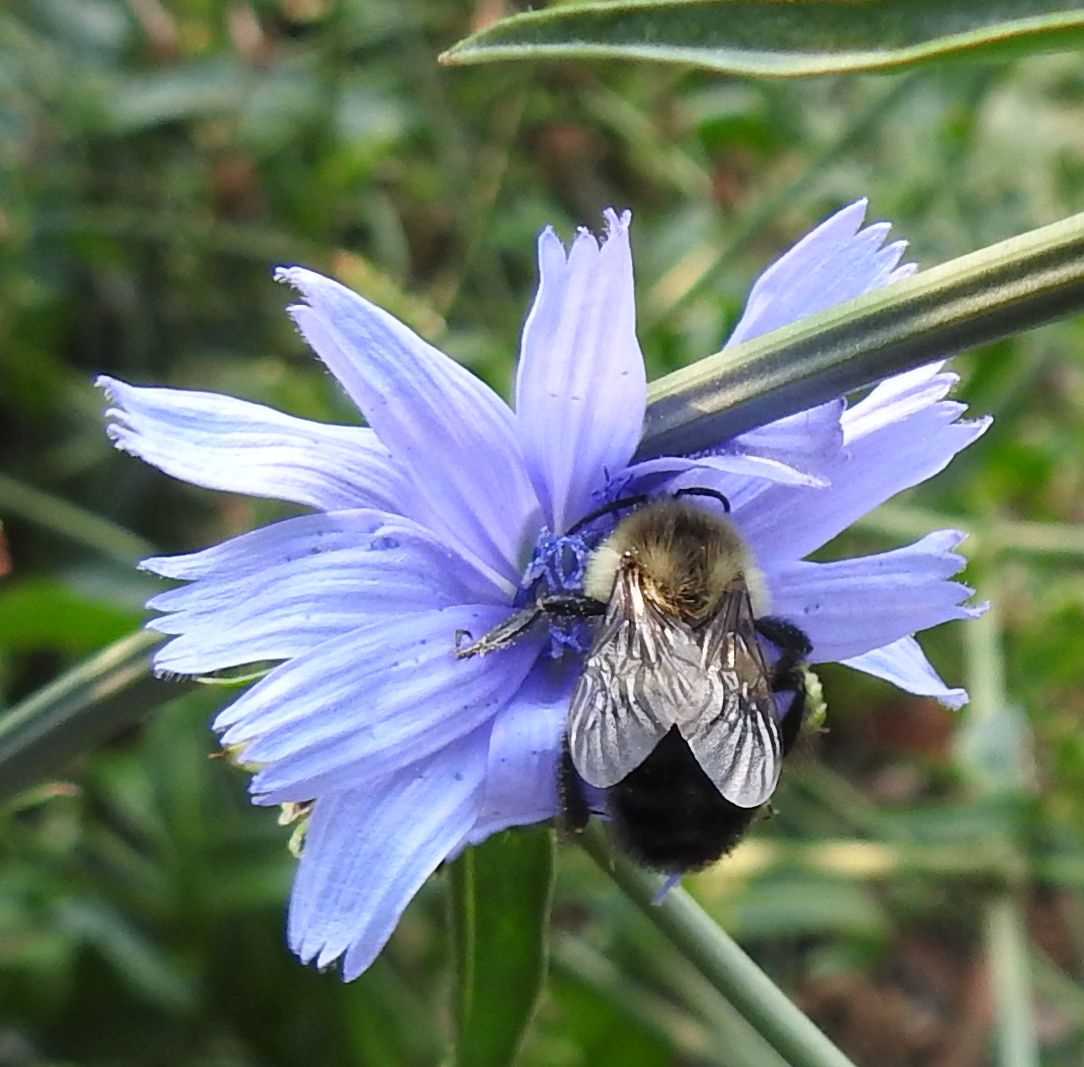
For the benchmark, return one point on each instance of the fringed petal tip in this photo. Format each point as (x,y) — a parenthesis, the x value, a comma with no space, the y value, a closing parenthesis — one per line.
(974,611)
(947,541)
(834,262)
(616,227)
(616,224)
(953,699)
(115,413)
(311,286)
(108,386)
(307,284)
(286,274)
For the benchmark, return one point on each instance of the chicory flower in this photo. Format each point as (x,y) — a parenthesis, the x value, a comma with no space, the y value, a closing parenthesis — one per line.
(445,512)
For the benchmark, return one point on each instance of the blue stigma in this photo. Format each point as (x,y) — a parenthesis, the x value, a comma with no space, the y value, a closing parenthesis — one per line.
(558,566)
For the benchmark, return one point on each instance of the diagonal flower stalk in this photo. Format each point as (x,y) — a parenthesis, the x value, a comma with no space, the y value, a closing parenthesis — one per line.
(704,943)
(1004,289)
(84,706)
(968,301)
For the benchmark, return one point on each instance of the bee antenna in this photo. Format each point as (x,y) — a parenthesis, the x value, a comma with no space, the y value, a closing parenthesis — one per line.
(696,490)
(608,509)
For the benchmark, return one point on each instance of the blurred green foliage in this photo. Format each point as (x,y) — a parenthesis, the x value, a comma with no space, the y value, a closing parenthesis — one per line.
(156,160)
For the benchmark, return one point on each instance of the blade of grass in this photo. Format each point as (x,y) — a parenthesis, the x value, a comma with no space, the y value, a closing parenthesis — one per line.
(995,759)
(71,521)
(1017,1043)
(82,707)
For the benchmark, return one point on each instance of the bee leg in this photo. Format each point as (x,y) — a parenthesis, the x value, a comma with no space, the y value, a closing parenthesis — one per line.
(519,622)
(575,813)
(791,641)
(501,636)
(789,675)
(571,607)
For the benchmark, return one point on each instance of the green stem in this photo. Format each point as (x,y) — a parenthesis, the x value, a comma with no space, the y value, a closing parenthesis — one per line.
(71,521)
(978,298)
(85,705)
(1010,974)
(995,759)
(692,931)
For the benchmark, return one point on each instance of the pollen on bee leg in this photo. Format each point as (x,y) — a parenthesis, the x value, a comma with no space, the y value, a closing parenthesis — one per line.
(556,570)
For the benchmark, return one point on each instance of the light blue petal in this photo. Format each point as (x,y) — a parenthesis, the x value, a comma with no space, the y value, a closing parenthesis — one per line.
(452,435)
(271,546)
(896,442)
(904,664)
(219,442)
(852,606)
(810,442)
(370,849)
(738,477)
(372,701)
(898,398)
(581,385)
(761,468)
(837,261)
(834,263)
(292,606)
(524,749)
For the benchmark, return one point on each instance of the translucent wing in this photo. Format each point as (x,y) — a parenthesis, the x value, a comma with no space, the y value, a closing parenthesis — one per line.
(647,672)
(737,743)
(619,709)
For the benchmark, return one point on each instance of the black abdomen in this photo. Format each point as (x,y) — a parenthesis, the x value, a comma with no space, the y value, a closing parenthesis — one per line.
(668,815)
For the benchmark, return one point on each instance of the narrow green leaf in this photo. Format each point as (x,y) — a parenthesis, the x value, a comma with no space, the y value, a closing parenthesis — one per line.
(501,893)
(778,38)
(84,706)
(71,521)
(1015,1026)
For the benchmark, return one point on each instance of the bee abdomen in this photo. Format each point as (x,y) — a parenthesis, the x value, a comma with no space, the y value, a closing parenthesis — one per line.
(668,815)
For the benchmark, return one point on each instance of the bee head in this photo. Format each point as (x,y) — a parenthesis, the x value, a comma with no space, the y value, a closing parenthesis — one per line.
(686,557)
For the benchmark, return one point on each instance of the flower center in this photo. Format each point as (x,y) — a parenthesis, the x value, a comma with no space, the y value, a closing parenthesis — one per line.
(558,565)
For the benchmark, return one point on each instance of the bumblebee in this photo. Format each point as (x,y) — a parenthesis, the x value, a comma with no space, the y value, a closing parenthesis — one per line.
(675,716)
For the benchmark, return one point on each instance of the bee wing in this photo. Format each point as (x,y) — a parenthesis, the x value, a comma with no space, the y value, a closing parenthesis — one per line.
(618,714)
(737,743)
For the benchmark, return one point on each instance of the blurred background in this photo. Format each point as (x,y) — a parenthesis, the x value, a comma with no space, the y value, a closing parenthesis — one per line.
(157,159)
